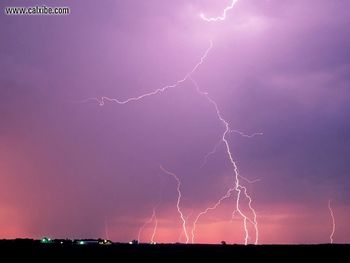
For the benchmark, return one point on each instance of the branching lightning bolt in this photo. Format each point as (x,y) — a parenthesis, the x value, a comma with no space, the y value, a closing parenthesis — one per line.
(154,219)
(182,232)
(238,187)
(213,151)
(149,221)
(227,195)
(222,17)
(333,221)
(154,229)
(101,101)
(250,181)
(178,188)
(247,135)
(242,134)
(233,215)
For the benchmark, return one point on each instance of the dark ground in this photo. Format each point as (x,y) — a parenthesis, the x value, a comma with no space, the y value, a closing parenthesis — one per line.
(33,249)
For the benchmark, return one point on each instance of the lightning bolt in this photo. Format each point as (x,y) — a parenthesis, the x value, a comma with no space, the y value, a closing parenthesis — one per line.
(179,195)
(242,134)
(106,229)
(333,221)
(182,232)
(222,17)
(149,221)
(101,101)
(238,187)
(233,215)
(154,228)
(213,151)
(247,135)
(249,180)
(152,218)
(227,195)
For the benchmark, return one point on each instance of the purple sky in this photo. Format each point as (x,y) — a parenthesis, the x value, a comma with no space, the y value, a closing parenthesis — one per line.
(281,67)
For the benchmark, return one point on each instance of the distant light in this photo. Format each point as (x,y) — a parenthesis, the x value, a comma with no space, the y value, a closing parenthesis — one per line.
(61,242)
(45,240)
(130,242)
(81,242)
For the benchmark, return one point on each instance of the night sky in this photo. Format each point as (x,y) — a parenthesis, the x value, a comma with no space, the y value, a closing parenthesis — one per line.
(72,168)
